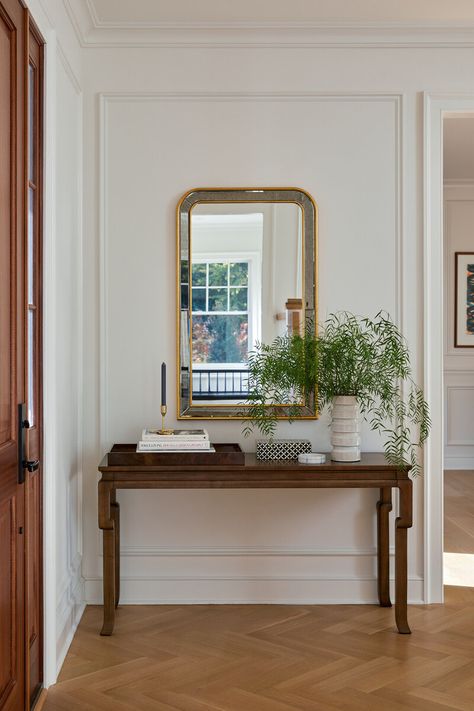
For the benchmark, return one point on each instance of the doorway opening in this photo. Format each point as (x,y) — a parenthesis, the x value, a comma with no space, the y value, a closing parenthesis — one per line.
(458,360)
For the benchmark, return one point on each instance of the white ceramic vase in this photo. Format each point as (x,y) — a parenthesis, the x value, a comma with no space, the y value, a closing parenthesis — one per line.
(345,429)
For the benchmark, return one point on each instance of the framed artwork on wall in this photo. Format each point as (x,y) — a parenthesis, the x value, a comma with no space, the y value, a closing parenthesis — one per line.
(464,300)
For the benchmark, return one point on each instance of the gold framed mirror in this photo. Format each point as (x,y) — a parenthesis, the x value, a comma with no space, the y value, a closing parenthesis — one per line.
(246,273)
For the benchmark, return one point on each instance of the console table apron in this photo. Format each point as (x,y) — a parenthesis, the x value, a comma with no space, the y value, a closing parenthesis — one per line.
(372,471)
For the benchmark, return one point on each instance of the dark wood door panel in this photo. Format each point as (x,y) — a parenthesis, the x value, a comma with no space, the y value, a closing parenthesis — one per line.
(21,634)
(8,628)
(12,318)
(35,584)
(7,232)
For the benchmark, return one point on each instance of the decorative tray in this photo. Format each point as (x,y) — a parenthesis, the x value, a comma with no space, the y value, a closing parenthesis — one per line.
(126,455)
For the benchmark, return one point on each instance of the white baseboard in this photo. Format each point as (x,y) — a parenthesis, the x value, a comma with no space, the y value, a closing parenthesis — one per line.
(226,590)
(68,635)
(70,608)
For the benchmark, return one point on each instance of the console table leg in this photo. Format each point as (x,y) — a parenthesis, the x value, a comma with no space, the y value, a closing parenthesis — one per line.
(384,506)
(106,523)
(115,511)
(403,522)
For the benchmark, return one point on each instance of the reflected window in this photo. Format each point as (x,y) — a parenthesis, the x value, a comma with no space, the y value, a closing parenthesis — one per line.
(225,301)
(220,312)
(221,323)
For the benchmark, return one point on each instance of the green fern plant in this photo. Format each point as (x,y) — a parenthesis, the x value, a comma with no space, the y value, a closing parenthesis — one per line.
(349,355)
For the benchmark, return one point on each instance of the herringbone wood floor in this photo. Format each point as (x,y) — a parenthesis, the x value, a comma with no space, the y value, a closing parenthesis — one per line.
(459,512)
(277,658)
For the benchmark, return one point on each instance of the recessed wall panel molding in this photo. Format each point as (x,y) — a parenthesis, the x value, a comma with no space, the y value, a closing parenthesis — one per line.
(383,110)
(153,147)
(460,415)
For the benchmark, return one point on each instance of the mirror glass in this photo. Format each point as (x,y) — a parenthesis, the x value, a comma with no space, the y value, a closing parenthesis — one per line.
(243,279)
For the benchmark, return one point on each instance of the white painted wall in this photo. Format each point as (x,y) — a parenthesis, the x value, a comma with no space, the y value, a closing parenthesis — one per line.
(159,133)
(62,465)
(68,371)
(342,122)
(458,362)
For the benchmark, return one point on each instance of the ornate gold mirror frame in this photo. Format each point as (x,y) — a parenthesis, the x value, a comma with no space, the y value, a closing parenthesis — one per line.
(190,407)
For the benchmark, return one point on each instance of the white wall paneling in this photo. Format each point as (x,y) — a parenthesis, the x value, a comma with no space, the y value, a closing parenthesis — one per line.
(167,107)
(68,370)
(460,410)
(153,146)
(161,171)
(164,129)
(62,335)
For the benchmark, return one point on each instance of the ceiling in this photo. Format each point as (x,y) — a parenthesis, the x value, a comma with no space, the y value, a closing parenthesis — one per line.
(458,149)
(154,12)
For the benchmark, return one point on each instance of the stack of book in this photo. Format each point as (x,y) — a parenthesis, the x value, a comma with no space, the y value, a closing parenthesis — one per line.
(174,441)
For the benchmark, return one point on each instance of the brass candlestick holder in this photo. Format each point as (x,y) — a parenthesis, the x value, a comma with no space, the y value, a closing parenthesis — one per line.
(163,430)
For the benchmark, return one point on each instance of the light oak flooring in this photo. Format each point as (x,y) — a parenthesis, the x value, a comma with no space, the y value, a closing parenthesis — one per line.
(281,658)
(459,511)
(459,528)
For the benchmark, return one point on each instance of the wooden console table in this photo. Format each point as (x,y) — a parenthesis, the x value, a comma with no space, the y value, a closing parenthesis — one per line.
(372,471)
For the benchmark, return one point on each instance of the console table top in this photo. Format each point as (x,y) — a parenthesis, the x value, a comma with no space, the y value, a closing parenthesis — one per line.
(372,466)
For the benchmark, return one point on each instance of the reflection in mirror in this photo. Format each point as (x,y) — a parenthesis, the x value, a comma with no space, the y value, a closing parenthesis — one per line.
(246,261)
(243,274)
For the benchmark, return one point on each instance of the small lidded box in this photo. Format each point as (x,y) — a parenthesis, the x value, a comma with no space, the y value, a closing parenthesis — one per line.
(282,449)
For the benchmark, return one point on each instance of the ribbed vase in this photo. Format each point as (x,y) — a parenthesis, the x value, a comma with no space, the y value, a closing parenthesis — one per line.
(345,429)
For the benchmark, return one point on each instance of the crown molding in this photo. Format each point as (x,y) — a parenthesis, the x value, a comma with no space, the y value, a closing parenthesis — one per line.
(92,32)
(81,20)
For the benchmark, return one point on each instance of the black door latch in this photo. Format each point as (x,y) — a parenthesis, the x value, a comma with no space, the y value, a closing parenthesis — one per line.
(23,463)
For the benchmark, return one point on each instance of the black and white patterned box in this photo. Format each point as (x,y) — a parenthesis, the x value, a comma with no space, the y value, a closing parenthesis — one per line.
(282,449)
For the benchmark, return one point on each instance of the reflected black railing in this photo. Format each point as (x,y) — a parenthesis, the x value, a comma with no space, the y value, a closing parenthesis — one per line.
(220,384)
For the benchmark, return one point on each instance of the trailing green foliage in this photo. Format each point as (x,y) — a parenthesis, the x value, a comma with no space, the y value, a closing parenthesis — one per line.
(368,358)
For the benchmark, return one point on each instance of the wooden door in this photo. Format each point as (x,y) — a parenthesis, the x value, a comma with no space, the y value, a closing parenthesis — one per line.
(21,560)
(12,340)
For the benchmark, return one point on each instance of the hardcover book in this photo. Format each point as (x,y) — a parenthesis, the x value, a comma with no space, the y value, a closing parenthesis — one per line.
(172,445)
(153,434)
